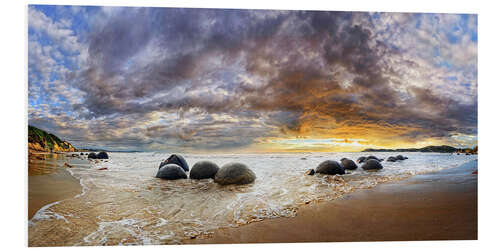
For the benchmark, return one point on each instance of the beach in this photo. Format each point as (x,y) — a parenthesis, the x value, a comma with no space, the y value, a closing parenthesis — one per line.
(430,196)
(48,181)
(436,206)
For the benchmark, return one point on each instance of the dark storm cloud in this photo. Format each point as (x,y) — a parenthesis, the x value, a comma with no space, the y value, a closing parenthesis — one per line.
(282,71)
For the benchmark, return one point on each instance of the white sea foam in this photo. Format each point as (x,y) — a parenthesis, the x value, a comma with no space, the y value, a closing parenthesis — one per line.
(125,204)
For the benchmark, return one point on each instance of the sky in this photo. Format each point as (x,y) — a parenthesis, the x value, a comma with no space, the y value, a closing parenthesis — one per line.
(215,80)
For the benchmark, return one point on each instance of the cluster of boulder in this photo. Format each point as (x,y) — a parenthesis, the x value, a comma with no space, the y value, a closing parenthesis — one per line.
(396,158)
(175,167)
(331,167)
(100,155)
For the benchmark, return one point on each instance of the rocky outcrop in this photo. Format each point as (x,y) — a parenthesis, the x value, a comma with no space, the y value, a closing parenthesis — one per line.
(41,141)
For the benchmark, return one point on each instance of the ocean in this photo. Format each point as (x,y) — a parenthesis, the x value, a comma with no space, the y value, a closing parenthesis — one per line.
(127,205)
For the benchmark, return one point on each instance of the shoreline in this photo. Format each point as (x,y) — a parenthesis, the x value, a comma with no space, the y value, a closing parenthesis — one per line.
(435,206)
(50,182)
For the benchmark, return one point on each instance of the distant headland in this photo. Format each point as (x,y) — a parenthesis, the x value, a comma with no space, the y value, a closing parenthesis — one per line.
(435,149)
(42,141)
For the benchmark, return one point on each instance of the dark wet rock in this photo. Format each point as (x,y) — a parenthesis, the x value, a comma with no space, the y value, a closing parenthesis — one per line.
(330,167)
(310,172)
(400,157)
(371,157)
(171,172)
(234,173)
(92,156)
(361,159)
(348,164)
(176,159)
(203,170)
(67,165)
(102,155)
(103,168)
(303,158)
(81,153)
(392,159)
(372,164)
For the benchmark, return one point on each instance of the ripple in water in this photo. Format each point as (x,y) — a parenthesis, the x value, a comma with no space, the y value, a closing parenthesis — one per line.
(126,205)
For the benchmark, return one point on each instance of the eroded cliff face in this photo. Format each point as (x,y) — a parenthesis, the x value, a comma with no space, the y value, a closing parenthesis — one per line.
(41,141)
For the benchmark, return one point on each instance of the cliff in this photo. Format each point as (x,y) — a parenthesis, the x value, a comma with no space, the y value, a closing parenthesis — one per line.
(41,141)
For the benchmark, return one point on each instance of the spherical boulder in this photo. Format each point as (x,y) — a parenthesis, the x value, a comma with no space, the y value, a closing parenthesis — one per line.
(348,164)
(371,157)
(361,159)
(392,159)
(372,164)
(171,172)
(102,155)
(400,157)
(176,159)
(234,173)
(92,156)
(203,170)
(310,172)
(330,167)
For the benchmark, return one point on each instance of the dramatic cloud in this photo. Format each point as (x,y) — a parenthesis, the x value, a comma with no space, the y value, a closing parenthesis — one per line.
(252,80)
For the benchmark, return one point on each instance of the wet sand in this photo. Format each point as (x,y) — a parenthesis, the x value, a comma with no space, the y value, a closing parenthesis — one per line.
(49,181)
(437,206)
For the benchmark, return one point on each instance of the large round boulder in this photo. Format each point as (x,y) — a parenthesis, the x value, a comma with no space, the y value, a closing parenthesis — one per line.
(176,159)
(102,155)
(400,157)
(361,159)
(372,164)
(348,164)
(203,170)
(171,172)
(330,167)
(92,156)
(371,157)
(234,173)
(392,159)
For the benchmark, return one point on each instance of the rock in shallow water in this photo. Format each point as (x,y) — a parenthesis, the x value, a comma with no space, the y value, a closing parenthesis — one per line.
(102,155)
(392,159)
(92,156)
(361,159)
(400,157)
(371,157)
(176,159)
(171,172)
(310,172)
(234,173)
(203,170)
(372,164)
(330,167)
(348,164)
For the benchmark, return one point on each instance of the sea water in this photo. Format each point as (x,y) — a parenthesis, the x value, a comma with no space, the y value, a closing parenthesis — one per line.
(125,205)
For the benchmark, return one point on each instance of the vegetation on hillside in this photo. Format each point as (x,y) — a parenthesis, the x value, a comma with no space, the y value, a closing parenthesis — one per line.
(40,140)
